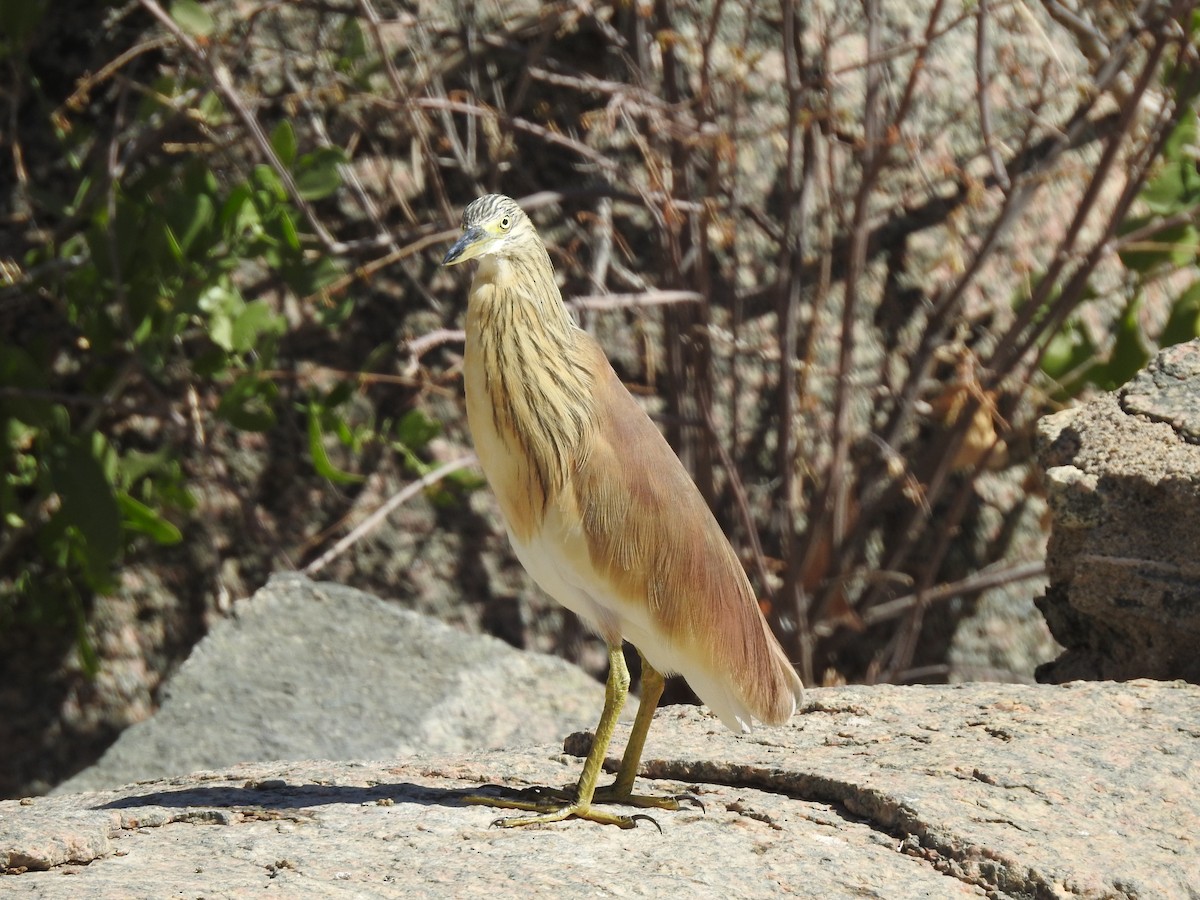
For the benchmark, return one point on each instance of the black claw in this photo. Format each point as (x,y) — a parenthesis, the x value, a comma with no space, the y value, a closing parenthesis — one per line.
(690,798)
(634,819)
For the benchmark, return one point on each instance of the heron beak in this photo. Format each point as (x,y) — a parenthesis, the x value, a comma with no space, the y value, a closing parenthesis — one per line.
(466,247)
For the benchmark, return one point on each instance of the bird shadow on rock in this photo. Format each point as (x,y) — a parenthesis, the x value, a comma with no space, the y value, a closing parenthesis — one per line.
(277,794)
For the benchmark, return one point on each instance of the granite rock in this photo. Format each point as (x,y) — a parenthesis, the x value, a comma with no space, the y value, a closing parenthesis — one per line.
(1122,475)
(1082,790)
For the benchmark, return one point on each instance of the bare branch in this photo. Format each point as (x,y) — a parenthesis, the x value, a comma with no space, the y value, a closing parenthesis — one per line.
(375,519)
(982,87)
(418,347)
(550,137)
(630,301)
(983,580)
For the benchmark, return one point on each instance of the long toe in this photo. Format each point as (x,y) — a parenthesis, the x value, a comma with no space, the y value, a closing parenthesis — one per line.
(576,811)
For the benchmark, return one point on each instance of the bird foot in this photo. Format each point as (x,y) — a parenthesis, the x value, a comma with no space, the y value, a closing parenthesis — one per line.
(551,805)
(555,805)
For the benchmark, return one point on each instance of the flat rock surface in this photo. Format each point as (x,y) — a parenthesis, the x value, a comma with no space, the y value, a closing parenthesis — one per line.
(313,670)
(1080,790)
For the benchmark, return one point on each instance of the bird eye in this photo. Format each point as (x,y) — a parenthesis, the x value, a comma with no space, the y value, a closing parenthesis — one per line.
(506,223)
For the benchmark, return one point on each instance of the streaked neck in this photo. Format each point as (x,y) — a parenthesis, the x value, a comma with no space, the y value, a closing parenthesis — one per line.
(540,389)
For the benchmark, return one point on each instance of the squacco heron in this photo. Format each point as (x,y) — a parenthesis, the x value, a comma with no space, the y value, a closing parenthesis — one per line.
(602,514)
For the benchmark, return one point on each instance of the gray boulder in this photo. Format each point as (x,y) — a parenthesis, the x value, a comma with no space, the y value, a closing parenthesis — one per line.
(306,670)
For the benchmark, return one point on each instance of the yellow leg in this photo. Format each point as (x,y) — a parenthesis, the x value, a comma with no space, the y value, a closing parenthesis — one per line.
(652,688)
(621,790)
(554,806)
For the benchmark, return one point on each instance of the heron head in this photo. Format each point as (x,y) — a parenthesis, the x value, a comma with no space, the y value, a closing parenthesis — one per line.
(492,225)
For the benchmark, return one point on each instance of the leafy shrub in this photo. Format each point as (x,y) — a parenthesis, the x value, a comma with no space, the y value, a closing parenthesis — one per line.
(128,317)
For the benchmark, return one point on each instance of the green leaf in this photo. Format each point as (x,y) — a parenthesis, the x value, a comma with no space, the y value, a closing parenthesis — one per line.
(267,180)
(1164,194)
(249,404)
(321,177)
(1174,246)
(238,213)
(316,449)
(1183,323)
(87,504)
(1128,354)
(287,230)
(1136,257)
(348,436)
(136,516)
(173,245)
(106,456)
(198,178)
(1183,242)
(188,217)
(192,18)
(353,44)
(1068,351)
(256,319)
(415,429)
(467,479)
(144,330)
(210,108)
(136,465)
(283,141)
(223,306)
(318,183)
(1177,184)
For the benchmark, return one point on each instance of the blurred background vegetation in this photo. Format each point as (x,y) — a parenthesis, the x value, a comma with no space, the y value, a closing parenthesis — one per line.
(846,253)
